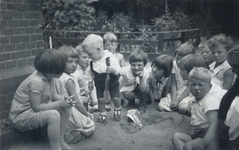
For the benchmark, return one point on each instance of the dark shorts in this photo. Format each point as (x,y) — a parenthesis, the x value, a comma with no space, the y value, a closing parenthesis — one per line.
(199,133)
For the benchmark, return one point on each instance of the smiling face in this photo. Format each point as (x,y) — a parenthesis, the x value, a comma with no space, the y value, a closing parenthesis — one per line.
(84,60)
(137,67)
(219,53)
(157,72)
(71,65)
(199,88)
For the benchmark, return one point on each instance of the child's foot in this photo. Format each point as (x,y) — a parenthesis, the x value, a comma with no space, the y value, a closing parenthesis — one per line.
(102,119)
(64,145)
(117,114)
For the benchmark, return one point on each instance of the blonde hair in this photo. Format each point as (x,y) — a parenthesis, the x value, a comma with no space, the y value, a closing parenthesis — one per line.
(220,39)
(201,74)
(185,49)
(109,36)
(69,51)
(93,40)
(79,49)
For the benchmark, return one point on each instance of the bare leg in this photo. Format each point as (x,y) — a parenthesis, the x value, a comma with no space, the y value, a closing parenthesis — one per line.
(179,139)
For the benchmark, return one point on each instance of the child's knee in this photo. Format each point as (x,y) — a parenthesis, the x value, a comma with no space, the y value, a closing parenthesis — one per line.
(53,115)
(187,146)
(101,100)
(176,136)
(182,109)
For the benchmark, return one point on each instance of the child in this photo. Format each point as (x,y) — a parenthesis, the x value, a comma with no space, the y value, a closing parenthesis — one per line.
(80,121)
(205,52)
(160,79)
(222,73)
(203,107)
(135,78)
(103,63)
(34,105)
(229,106)
(110,43)
(179,89)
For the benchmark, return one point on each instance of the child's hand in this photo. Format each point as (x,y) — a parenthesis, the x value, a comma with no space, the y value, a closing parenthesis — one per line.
(140,74)
(110,69)
(90,86)
(174,105)
(66,101)
(90,116)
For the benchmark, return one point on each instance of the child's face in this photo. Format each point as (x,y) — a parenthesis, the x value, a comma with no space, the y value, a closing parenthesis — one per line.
(137,67)
(71,65)
(111,46)
(219,53)
(93,52)
(206,54)
(157,72)
(199,88)
(83,60)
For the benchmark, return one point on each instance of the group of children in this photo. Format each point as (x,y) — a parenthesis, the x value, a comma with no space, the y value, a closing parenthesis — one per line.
(66,86)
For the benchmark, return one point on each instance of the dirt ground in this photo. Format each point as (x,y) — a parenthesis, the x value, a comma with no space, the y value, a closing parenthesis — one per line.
(156,133)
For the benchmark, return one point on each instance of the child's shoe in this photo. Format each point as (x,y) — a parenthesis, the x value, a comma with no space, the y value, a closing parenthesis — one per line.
(117,114)
(102,119)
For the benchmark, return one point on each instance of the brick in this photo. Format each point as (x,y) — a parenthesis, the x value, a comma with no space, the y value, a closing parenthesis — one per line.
(6,0)
(31,61)
(34,7)
(35,22)
(18,23)
(17,15)
(31,45)
(37,51)
(40,44)
(3,6)
(38,15)
(3,24)
(28,15)
(29,30)
(2,66)
(37,37)
(10,47)
(19,30)
(20,38)
(27,1)
(2,48)
(21,46)
(4,57)
(38,30)
(21,54)
(4,40)
(17,7)
(6,15)
(8,31)
(11,64)
(17,1)
(22,62)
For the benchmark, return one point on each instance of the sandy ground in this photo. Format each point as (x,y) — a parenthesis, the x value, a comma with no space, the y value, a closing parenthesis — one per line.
(156,133)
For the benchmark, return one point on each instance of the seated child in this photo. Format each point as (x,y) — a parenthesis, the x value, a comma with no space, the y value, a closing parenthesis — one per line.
(34,105)
(134,79)
(160,79)
(103,63)
(80,122)
(110,43)
(222,73)
(205,52)
(228,112)
(179,89)
(203,108)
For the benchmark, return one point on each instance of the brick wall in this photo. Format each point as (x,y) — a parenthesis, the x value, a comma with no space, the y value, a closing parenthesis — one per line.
(20,40)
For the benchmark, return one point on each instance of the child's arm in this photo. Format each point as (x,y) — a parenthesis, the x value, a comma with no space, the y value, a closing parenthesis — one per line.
(143,81)
(70,86)
(173,90)
(167,87)
(211,134)
(228,79)
(151,94)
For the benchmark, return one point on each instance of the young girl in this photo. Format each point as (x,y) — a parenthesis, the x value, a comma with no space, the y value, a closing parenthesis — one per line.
(134,79)
(110,43)
(179,88)
(80,122)
(205,52)
(229,107)
(159,79)
(221,70)
(34,105)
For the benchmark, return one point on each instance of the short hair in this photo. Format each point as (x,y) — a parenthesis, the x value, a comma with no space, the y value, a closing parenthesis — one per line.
(185,49)
(138,56)
(220,39)
(190,61)
(50,61)
(200,73)
(233,56)
(69,51)
(164,62)
(93,40)
(109,36)
(79,49)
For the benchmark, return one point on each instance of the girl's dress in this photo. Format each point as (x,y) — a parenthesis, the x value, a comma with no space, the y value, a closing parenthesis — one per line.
(181,85)
(21,113)
(218,72)
(78,124)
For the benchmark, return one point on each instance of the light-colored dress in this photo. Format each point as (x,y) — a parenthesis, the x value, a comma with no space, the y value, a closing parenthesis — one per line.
(181,85)
(218,72)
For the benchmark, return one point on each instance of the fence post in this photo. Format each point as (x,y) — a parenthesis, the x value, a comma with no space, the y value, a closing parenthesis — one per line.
(198,37)
(160,42)
(183,38)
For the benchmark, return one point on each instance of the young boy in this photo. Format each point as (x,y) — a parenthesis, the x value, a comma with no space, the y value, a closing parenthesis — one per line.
(203,108)
(110,43)
(134,79)
(103,63)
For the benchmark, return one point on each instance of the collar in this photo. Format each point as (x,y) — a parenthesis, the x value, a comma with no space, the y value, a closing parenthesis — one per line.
(40,75)
(199,102)
(81,68)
